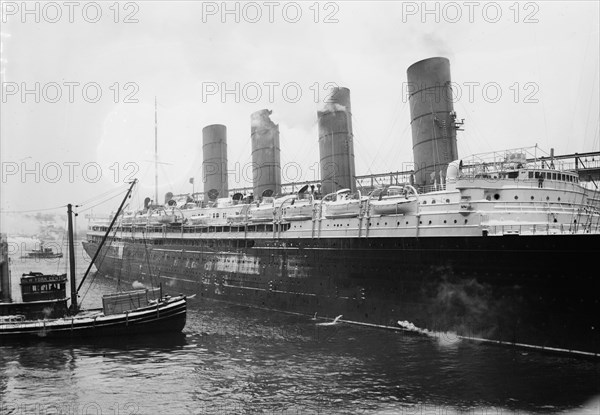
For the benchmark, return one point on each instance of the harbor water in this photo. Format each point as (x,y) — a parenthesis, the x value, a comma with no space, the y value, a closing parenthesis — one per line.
(233,359)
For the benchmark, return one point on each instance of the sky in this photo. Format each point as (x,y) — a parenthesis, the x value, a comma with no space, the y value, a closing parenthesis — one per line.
(79,82)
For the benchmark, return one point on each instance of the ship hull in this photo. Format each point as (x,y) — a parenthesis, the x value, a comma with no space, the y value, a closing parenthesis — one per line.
(533,290)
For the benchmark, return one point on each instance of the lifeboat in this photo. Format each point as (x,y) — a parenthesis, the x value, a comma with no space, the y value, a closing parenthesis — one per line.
(162,217)
(395,200)
(344,205)
(128,218)
(141,219)
(299,209)
(263,212)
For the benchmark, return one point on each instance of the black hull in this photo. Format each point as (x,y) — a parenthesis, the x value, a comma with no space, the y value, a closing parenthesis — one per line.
(533,290)
(170,317)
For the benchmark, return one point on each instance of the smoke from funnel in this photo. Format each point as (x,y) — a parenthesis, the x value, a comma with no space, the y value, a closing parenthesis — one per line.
(336,143)
(266,164)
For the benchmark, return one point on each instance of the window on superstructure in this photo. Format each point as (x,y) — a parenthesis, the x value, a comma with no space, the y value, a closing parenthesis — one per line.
(531,175)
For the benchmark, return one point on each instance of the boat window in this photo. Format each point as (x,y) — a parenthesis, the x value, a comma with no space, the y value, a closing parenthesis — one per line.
(553,176)
(537,174)
(513,174)
(531,175)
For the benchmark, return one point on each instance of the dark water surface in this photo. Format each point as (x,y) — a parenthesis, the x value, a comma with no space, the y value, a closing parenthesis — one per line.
(233,359)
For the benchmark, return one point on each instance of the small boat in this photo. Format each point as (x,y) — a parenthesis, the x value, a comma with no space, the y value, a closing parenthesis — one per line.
(264,211)
(299,209)
(395,200)
(43,253)
(344,205)
(140,218)
(44,314)
(166,314)
(128,218)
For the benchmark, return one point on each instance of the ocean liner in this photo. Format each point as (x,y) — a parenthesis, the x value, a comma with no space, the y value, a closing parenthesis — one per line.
(497,247)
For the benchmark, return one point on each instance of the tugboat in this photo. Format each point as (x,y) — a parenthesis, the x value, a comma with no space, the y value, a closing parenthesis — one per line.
(44,253)
(43,313)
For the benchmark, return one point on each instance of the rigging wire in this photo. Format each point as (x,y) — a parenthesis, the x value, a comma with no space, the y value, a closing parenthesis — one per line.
(101,195)
(101,260)
(34,210)
(99,203)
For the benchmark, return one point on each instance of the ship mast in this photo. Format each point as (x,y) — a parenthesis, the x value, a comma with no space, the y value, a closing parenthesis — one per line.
(155,153)
(72,260)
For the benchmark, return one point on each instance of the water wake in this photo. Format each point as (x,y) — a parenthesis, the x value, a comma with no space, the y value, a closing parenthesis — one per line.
(445,338)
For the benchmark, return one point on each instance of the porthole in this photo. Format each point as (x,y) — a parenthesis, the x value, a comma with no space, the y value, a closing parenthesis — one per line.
(420,222)
(547,197)
(424,202)
(532,198)
(454,220)
(466,221)
(496,196)
(430,222)
(559,199)
(445,221)
(488,197)
(433,202)
(447,200)
(516,197)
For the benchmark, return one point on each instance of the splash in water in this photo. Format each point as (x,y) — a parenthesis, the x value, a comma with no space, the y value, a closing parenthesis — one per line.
(330,323)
